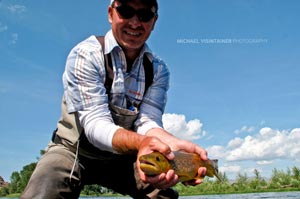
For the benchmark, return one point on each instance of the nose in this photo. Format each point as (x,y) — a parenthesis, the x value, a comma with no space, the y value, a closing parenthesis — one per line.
(135,22)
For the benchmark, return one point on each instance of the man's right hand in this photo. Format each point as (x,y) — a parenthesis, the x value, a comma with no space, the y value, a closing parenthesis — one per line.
(163,180)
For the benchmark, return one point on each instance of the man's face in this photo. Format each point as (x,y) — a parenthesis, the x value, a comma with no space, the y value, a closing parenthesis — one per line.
(131,34)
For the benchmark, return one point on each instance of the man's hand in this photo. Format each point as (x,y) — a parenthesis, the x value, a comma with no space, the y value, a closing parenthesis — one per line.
(175,144)
(163,180)
(190,147)
(201,172)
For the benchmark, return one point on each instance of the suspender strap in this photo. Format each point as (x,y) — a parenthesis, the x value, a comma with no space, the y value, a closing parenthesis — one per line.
(108,66)
(148,68)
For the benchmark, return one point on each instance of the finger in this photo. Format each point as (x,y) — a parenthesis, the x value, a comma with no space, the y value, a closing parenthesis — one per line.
(189,183)
(170,155)
(150,144)
(163,181)
(155,179)
(197,182)
(142,175)
(170,180)
(193,182)
(203,155)
(202,172)
(193,148)
(163,148)
(201,152)
(171,176)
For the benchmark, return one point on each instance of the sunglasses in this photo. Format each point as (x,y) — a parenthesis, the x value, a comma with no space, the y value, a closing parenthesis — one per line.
(127,12)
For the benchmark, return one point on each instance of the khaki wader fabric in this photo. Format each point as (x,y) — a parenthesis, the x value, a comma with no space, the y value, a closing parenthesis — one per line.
(59,174)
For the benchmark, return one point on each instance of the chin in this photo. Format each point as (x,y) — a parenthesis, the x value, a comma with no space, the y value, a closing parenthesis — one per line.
(132,45)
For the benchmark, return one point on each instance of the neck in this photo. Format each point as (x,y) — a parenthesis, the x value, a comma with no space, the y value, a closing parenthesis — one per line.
(130,58)
(131,55)
(129,63)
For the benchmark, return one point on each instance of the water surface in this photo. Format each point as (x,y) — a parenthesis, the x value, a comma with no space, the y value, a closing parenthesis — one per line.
(269,195)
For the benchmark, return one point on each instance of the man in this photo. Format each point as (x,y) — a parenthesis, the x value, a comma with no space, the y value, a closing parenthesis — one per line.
(112,114)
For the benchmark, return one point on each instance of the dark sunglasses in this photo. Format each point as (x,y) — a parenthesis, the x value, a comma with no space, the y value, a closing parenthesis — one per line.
(127,12)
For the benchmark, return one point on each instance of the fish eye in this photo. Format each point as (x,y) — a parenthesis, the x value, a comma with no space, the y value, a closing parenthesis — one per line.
(157,159)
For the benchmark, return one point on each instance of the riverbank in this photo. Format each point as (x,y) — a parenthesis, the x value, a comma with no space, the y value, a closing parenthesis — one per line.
(15,196)
(280,182)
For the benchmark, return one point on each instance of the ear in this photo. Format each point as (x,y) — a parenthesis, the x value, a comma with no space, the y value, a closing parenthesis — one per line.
(154,22)
(110,14)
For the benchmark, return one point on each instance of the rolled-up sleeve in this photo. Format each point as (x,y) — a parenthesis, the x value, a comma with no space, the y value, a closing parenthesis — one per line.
(99,126)
(85,93)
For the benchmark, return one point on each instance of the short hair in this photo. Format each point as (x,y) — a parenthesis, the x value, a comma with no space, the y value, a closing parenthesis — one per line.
(149,3)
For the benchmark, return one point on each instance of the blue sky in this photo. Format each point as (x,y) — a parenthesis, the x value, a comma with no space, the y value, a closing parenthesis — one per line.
(234,66)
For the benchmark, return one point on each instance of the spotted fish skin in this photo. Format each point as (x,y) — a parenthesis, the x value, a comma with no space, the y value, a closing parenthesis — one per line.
(185,165)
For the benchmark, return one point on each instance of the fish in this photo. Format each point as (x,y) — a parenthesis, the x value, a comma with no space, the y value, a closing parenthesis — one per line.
(184,164)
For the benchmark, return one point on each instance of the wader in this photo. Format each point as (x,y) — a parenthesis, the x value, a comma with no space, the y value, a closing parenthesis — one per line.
(71,162)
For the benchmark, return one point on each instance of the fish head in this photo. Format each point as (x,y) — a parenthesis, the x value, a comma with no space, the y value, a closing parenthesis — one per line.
(212,169)
(154,163)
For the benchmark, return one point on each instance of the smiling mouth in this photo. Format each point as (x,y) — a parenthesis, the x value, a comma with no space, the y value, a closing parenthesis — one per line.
(134,34)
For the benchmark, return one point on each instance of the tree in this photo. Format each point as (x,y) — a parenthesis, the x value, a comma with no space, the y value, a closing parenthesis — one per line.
(242,179)
(241,182)
(296,173)
(25,174)
(4,191)
(14,186)
(19,180)
(257,182)
(280,178)
(257,174)
(295,177)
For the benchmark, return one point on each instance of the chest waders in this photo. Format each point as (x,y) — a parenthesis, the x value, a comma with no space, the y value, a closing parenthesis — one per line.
(70,133)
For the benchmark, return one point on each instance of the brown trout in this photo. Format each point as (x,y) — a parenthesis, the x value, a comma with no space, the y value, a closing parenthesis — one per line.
(184,164)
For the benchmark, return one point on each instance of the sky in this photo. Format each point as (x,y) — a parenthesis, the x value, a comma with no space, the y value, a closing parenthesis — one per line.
(235,68)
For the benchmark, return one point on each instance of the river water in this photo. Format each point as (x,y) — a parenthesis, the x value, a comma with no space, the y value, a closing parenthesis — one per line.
(270,195)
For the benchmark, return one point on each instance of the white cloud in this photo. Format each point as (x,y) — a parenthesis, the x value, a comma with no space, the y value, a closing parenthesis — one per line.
(245,129)
(253,149)
(266,145)
(230,169)
(14,38)
(3,28)
(216,151)
(178,126)
(234,143)
(264,162)
(260,150)
(16,9)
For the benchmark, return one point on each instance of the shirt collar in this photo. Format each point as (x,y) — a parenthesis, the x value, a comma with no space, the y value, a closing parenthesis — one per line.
(111,43)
